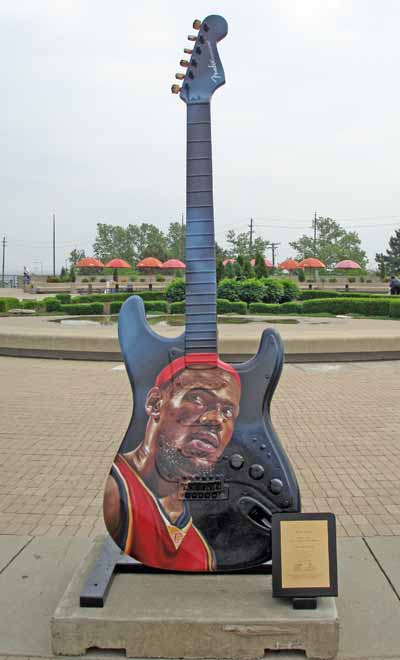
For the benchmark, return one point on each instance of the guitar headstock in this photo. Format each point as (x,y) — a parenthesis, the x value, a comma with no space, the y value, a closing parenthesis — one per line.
(204,72)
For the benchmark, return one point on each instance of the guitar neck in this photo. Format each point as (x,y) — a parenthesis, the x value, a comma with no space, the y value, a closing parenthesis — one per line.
(201,287)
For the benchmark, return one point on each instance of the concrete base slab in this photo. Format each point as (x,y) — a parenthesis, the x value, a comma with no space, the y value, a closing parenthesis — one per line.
(31,585)
(191,616)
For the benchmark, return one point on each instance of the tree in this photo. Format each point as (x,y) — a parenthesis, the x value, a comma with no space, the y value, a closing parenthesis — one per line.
(248,270)
(220,253)
(333,243)
(390,262)
(132,243)
(229,271)
(260,267)
(176,238)
(239,245)
(112,241)
(76,255)
(219,270)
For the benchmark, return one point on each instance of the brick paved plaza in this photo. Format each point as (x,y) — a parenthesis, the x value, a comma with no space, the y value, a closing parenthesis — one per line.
(63,421)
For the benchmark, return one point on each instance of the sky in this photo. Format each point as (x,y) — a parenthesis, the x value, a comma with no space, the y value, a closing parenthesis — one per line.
(308,120)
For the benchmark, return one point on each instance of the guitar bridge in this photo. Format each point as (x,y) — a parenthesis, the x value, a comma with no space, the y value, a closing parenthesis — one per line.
(203,489)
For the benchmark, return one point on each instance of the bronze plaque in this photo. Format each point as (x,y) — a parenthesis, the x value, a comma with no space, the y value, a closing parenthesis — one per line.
(304,554)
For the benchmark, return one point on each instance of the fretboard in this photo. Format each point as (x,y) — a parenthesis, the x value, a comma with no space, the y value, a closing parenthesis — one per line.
(201,295)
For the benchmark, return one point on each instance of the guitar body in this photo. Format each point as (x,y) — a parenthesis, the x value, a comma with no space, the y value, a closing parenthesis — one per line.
(200,471)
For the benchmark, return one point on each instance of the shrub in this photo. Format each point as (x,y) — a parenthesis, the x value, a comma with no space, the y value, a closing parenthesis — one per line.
(264,308)
(52,279)
(314,293)
(301,275)
(64,298)
(30,304)
(291,307)
(223,306)
(251,290)
(273,290)
(394,309)
(85,279)
(291,290)
(156,306)
(102,279)
(109,297)
(332,279)
(351,279)
(53,305)
(306,295)
(366,306)
(9,303)
(151,295)
(160,278)
(150,306)
(82,309)
(228,289)
(238,307)
(177,307)
(175,291)
(116,306)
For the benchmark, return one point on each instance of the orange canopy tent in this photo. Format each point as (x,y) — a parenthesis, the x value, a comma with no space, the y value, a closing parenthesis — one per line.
(115,264)
(267,262)
(89,262)
(289,264)
(348,264)
(311,262)
(176,264)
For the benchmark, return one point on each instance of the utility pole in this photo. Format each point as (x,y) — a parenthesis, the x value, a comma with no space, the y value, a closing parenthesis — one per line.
(4,257)
(54,244)
(315,233)
(251,237)
(273,247)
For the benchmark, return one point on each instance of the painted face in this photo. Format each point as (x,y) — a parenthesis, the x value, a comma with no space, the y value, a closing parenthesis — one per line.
(197,413)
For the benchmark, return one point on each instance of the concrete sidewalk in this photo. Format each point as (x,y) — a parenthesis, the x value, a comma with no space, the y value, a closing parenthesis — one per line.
(34,572)
(62,423)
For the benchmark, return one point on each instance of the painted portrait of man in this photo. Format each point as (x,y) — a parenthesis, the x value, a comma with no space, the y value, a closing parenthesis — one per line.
(191,412)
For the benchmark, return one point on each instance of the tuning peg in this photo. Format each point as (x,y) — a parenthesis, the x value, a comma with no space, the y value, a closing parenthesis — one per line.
(175,89)
(184,63)
(180,76)
(192,37)
(196,24)
(188,51)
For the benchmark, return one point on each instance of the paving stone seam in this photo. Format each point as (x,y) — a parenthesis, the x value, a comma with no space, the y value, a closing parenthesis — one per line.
(381,568)
(16,555)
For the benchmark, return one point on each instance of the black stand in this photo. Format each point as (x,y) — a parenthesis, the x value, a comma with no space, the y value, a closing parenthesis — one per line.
(112,560)
(304,603)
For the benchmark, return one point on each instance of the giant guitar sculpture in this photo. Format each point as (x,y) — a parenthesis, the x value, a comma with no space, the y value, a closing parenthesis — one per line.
(200,471)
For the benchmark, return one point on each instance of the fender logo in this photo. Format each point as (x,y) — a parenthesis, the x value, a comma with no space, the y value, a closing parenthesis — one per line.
(212,65)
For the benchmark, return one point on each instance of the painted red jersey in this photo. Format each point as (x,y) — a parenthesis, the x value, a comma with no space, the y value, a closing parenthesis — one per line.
(148,535)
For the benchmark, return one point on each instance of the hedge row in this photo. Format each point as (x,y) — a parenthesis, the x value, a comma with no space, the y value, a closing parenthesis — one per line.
(110,297)
(319,294)
(8,303)
(149,305)
(366,307)
(223,307)
(82,309)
